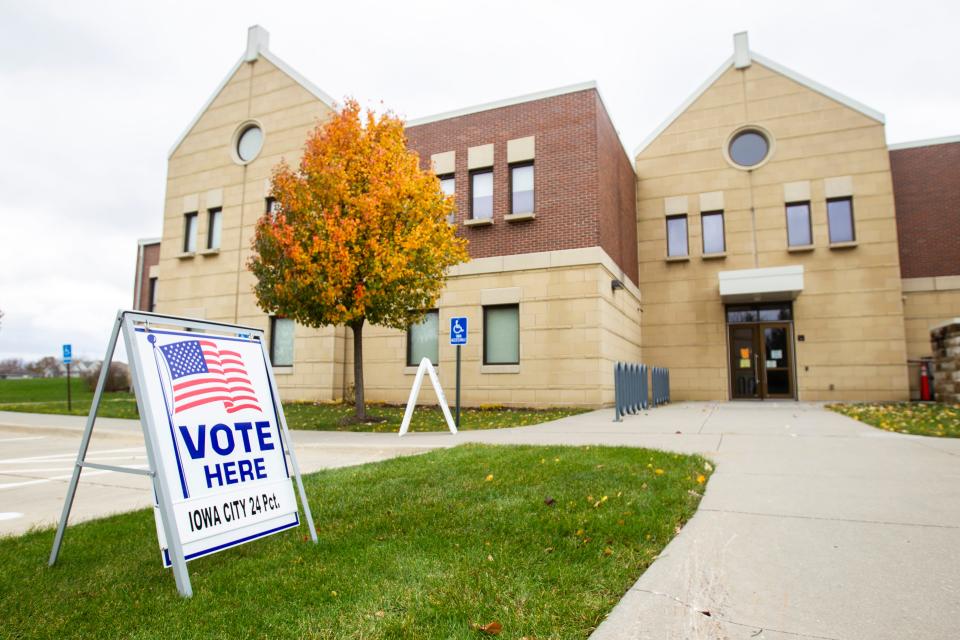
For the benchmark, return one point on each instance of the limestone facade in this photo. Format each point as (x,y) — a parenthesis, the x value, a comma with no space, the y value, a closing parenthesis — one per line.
(589,268)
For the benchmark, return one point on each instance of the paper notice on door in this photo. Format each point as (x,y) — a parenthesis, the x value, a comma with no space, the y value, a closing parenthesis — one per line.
(745,363)
(744,352)
(771,364)
(776,354)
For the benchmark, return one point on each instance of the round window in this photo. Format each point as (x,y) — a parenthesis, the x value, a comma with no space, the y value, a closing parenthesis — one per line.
(249,143)
(749,148)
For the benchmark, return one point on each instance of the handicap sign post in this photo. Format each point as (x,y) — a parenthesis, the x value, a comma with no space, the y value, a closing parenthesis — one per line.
(67,359)
(458,338)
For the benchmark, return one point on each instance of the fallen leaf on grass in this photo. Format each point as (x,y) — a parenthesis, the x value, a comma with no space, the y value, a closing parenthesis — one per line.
(549,501)
(491,628)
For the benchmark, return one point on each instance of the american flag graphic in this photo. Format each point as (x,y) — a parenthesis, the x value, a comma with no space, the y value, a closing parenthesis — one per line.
(202,373)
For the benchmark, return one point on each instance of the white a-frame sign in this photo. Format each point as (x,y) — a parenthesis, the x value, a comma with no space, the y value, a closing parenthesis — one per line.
(216,438)
(426,367)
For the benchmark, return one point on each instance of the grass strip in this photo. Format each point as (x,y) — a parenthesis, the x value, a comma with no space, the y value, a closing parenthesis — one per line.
(542,540)
(918,418)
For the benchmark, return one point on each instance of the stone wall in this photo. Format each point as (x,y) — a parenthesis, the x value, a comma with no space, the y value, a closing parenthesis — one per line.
(945,344)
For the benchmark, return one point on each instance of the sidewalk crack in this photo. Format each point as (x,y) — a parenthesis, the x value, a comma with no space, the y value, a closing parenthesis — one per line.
(758,629)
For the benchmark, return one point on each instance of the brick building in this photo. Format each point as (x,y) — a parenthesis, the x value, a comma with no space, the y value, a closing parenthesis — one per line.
(750,244)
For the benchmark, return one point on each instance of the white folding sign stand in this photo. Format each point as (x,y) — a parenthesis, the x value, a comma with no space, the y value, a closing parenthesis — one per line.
(426,367)
(169,506)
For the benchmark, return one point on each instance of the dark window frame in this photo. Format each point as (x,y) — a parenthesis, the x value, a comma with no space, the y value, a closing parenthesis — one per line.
(187,217)
(853,221)
(410,335)
(757,307)
(486,308)
(686,227)
(211,213)
(786,217)
(476,172)
(152,294)
(273,341)
(703,235)
(520,165)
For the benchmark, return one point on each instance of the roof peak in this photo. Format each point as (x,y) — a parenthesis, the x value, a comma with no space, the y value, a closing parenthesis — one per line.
(742,58)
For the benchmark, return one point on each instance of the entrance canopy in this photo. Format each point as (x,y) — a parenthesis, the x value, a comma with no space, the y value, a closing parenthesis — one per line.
(761,285)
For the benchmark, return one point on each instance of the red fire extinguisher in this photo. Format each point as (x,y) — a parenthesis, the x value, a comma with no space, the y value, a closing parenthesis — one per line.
(924,381)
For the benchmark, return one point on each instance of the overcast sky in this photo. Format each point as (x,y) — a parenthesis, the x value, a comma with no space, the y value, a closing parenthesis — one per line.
(92,96)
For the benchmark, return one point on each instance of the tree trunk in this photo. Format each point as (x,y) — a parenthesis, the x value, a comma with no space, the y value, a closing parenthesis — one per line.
(361,407)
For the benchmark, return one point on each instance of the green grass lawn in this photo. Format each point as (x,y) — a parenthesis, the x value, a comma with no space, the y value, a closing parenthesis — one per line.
(922,419)
(49,396)
(416,547)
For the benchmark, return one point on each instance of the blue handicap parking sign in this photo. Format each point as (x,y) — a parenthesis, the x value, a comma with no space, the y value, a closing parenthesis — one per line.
(458,330)
(67,353)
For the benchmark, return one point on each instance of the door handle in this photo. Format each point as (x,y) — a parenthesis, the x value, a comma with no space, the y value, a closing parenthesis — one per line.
(756,368)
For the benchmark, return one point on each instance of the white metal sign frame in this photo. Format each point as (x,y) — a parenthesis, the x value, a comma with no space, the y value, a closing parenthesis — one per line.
(426,367)
(127,323)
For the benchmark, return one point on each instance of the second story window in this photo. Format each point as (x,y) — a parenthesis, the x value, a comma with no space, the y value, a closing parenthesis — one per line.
(799,231)
(448,184)
(481,194)
(190,232)
(713,240)
(215,222)
(677,236)
(521,187)
(840,219)
(271,206)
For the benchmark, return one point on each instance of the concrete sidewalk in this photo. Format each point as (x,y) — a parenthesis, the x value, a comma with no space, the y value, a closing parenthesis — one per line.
(812,526)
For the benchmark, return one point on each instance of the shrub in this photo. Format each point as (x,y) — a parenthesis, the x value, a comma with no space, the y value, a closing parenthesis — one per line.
(118,377)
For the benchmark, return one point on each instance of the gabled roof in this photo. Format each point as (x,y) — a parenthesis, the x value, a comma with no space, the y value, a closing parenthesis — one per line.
(258,40)
(741,58)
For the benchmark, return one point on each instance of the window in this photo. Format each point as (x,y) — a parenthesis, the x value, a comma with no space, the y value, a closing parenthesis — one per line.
(271,206)
(840,219)
(677,236)
(521,187)
(799,232)
(501,334)
(281,341)
(713,241)
(448,184)
(423,340)
(190,232)
(249,143)
(748,148)
(152,302)
(481,194)
(214,219)
(775,312)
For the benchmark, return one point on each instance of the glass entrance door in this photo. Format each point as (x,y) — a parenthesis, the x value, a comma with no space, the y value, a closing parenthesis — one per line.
(744,362)
(761,351)
(777,371)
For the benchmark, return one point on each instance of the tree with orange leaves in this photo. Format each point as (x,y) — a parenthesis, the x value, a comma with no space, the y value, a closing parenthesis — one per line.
(360,235)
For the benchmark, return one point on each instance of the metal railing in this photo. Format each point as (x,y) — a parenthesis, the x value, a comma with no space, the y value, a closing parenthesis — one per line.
(660,377)
(632,385)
